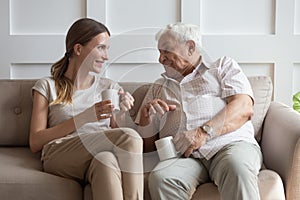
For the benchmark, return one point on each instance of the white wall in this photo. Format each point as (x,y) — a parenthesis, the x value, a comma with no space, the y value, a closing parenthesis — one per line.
(263,36)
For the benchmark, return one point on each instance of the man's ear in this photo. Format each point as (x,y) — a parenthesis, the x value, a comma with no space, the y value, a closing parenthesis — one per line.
(77,49)
(191,46)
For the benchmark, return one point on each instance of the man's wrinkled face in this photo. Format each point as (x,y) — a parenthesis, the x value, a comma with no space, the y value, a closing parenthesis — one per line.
(174,56)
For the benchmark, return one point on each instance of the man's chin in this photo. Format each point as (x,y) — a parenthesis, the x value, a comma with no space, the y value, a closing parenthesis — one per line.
(173,74)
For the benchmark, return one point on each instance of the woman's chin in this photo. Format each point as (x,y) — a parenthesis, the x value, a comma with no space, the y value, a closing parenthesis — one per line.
(97,67)
(96,70)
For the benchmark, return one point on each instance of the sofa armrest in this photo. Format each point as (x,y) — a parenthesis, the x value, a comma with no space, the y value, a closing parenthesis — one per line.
(281,146)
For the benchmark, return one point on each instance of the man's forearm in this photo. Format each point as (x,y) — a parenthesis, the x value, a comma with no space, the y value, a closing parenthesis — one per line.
(236,113)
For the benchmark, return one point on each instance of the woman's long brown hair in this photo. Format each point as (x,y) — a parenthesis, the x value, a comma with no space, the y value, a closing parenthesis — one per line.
(81,32)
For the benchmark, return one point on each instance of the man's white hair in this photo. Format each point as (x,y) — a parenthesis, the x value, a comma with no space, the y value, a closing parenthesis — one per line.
(183,32)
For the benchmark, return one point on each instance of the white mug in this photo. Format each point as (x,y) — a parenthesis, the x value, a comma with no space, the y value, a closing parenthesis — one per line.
(113,95)
(166,148)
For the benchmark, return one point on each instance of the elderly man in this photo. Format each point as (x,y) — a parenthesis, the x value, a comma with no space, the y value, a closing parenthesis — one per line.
(206,107)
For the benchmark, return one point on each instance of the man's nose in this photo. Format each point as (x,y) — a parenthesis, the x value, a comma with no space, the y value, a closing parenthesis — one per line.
(162,58)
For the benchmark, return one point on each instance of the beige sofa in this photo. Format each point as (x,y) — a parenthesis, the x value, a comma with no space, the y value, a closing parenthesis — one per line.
(21,174)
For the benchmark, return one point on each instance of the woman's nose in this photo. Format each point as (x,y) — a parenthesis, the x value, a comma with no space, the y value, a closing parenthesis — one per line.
(105,55)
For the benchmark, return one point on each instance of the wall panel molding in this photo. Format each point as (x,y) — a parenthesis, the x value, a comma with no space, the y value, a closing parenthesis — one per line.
(127,71)
(131,48)
(264,42)
(297,17)
(97,9)
(258,69)
(237,17)
(296,79)
(29,70)
(191,11)
(124,16)
(45,17)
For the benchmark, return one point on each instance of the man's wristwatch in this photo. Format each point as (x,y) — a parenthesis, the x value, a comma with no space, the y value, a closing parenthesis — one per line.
(208,130)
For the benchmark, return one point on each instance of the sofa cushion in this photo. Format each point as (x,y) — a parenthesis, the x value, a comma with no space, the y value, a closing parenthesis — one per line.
(21,171)
(269,183)
(16,103)
(87,192)
(262,90)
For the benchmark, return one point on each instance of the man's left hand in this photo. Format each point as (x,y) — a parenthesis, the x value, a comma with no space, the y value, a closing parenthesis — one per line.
(189,141)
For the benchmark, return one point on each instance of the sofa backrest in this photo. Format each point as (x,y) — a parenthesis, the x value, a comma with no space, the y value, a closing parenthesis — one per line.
(15,109)
(263,92)
(16,105)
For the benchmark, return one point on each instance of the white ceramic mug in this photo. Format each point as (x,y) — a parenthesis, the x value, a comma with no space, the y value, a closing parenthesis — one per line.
(112,94)
(166,148)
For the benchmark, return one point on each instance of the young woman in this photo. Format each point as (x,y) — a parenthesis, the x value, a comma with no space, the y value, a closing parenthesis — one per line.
(76,130)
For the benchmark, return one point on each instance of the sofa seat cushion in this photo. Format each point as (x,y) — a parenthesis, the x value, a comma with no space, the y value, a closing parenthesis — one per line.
(21,177)
(269,183)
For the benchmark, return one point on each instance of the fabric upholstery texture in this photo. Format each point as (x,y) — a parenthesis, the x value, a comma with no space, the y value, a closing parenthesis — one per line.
(280,146)
(21,176)
(16,103)
(262,89)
